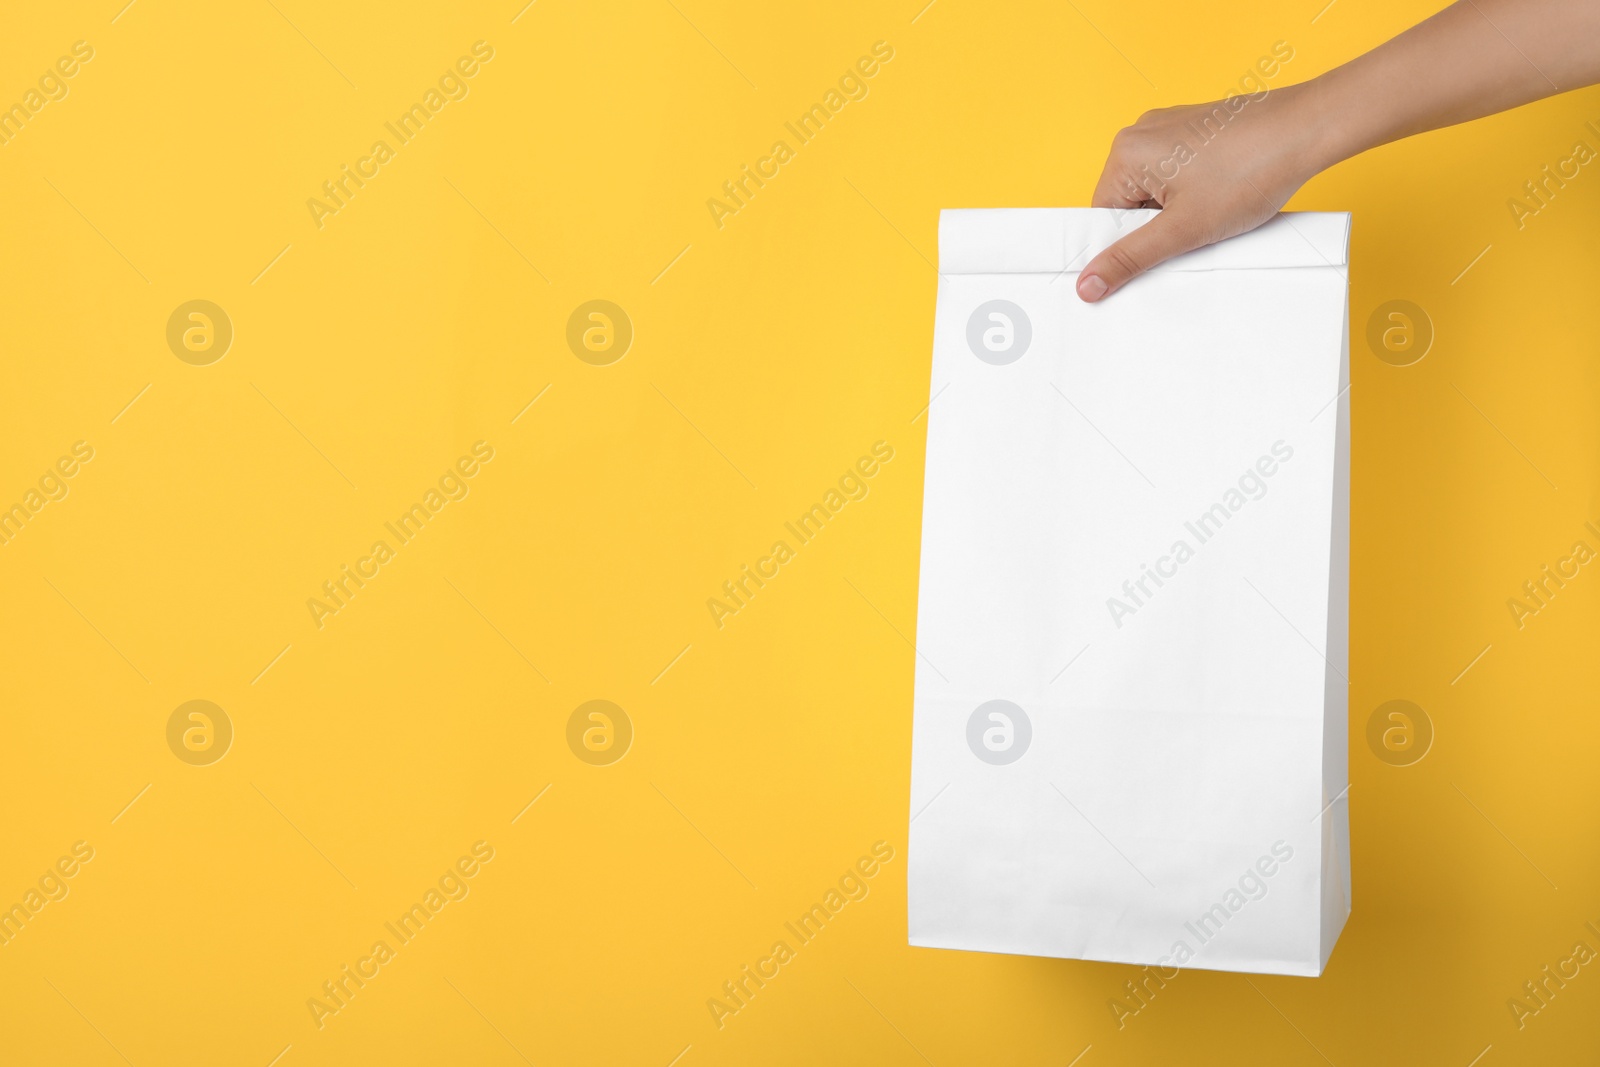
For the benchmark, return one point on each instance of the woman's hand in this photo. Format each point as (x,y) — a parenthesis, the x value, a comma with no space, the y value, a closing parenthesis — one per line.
(1215,170)
(1220,169)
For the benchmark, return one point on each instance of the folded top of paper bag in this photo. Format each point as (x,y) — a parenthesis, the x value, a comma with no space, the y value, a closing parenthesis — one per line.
(1049,240)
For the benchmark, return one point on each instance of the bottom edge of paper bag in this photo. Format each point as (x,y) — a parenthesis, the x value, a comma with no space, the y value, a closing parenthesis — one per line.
(1299,968)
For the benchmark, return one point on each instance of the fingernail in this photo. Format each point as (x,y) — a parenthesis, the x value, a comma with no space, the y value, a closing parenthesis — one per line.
(1091,287)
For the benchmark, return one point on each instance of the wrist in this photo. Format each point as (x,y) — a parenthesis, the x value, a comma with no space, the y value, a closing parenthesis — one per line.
(1325,129)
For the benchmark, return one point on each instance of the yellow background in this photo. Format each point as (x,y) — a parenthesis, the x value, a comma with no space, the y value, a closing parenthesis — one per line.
(427,313)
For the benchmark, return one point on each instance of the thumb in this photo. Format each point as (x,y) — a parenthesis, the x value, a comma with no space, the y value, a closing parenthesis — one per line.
(1166,235)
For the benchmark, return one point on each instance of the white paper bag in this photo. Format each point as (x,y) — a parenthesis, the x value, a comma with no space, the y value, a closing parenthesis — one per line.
(1129,739)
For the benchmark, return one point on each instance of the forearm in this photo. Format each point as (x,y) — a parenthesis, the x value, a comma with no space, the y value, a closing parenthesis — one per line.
(1472,59)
